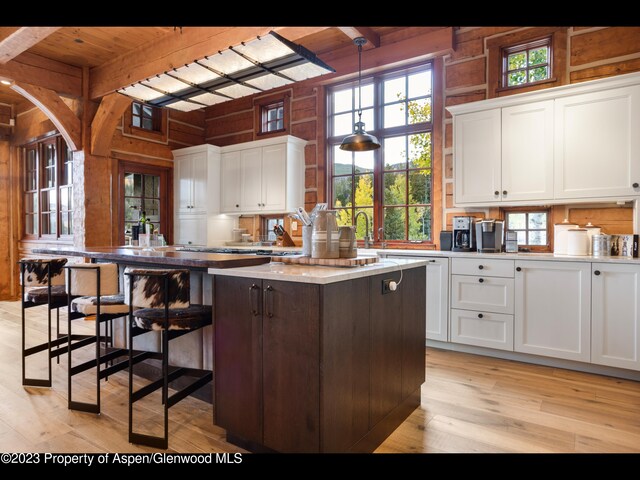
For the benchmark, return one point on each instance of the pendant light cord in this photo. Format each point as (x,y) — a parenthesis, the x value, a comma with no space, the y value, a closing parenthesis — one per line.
(359,83)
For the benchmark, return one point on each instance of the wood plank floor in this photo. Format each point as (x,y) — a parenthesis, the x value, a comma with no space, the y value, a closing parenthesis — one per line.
(470,403)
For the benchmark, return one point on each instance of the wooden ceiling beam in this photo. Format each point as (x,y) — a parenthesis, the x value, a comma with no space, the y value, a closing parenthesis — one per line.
(111,109)
(373,39)
(56,110)
(44,72)
(176,49)
(21,40)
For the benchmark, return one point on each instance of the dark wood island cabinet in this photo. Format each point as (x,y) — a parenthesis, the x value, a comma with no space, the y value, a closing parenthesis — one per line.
(308,367)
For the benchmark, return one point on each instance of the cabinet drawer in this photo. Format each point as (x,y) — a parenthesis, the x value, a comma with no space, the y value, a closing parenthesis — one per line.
(482,293)
(480,266)
(493,330)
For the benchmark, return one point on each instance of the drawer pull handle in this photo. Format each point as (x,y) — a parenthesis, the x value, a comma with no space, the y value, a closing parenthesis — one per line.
(504,192)
(481,280)
(636,185)
(497,192)
(518,269)
(480,315)
(597,272)
(480,267)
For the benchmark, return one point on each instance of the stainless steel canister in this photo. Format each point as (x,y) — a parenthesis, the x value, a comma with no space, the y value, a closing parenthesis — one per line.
(601,245)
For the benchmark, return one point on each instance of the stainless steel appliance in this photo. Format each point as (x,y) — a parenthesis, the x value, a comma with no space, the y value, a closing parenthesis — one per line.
(464,239)
(489,235)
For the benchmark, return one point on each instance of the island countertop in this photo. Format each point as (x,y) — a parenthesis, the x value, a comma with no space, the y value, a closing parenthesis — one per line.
(161,256)
(318,274)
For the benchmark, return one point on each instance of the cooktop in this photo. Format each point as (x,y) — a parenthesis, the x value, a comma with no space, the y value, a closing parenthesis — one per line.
(237,251)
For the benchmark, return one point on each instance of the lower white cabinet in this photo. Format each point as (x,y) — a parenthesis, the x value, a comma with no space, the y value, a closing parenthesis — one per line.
(484,329)
(553,309)
(437,297)
(615,310)
(190,230)
(493,294)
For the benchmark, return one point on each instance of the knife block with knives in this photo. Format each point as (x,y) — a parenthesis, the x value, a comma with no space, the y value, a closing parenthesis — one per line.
(282,237)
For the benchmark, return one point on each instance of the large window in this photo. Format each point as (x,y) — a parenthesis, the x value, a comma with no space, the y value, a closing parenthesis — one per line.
(141,195)
(48,189)
(392,185)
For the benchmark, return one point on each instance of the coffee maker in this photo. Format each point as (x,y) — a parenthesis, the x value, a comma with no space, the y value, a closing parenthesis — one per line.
(489,235)
(464,239)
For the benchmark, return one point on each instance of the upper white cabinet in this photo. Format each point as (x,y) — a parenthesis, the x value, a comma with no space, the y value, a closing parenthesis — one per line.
(265,176)
(191,178)
(553,309)
(527,152)
(571,142)
(597,146)
(477,166)
(615,315)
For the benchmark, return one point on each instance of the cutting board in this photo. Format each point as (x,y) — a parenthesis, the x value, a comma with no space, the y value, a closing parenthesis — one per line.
(327,262)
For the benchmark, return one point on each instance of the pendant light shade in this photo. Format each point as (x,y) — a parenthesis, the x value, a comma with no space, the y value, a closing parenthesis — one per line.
(359,141)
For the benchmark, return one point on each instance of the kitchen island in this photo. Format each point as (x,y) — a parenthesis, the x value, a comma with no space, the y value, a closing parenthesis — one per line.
(317,359)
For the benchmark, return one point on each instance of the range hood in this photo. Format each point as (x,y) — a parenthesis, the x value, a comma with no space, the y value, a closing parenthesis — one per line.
(262,64)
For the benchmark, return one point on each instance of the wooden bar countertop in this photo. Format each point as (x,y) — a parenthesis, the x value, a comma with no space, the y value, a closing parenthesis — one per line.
(168,256)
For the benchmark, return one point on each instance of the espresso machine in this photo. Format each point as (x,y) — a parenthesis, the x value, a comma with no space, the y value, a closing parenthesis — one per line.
(464,239)
(489,235)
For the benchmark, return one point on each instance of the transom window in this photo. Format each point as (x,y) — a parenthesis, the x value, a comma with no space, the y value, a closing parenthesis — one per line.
(145,117)
(391,185)
(273,117)
(531,227)
(528,63)
(48,189)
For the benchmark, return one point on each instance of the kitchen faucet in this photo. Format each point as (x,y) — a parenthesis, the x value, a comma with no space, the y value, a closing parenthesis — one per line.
(383,244)
(366,227)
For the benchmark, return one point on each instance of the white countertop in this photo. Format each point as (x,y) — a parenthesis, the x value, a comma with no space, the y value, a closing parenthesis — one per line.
(316,274)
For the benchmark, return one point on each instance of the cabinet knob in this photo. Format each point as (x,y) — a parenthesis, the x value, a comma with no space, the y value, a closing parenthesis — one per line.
(636,185)
(480,315)
(481,280)
(518,269)
(497,192)
(480,267)
(597,272)
(504,192)
(237,206)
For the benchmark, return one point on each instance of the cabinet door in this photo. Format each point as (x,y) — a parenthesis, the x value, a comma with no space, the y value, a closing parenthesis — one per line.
(597,146)
(553,309)
(230,175)
(238,356)
(291,366)
(199,183)
(527,152)
(251,179)
(477,157)
(183,183)
(190,229)
(488,294)
(615,310)
(492,330)
(274,178)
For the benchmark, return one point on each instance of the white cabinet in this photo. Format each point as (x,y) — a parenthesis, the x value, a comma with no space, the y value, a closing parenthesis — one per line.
(597,146)
(493,294)
(265,176)
(615,315)
(230,187)
(190,181)
(527,152)
(188,230)
(481,328)
(553,309)
(437,298)
(477,150)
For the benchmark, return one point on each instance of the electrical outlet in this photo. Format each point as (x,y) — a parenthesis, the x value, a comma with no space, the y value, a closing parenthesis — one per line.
(386,286)
(294,226)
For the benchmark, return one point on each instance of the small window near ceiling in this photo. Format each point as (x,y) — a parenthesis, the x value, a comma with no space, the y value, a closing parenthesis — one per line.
(531,227)
(145,117)
(526,63)
(273,117)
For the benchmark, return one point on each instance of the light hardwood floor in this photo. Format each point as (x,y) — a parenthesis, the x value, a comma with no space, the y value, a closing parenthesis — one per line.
(470,403)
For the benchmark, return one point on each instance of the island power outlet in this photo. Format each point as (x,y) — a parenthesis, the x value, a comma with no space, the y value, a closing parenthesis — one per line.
(388,286)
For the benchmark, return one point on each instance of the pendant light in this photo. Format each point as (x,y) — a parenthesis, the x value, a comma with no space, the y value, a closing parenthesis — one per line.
(359,141)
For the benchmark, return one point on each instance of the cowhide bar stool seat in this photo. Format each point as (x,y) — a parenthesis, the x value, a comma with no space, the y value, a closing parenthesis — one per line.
(42,282)
(164,298)
(93,290)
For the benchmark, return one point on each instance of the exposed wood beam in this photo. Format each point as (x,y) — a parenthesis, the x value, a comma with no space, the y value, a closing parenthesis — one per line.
(56,110)
(176,49)
(21,40)
(104,123)
(373,39)
(44,72)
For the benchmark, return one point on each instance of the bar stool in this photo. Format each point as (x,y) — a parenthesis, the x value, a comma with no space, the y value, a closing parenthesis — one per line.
(164,298)
(42,283)
(93,289)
